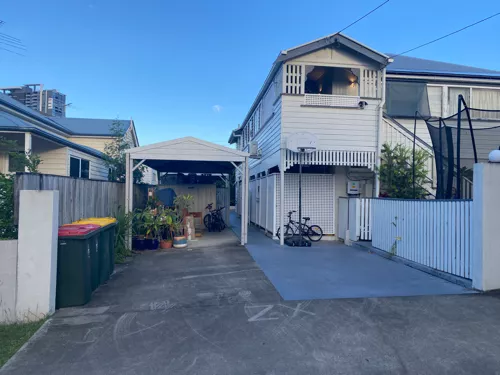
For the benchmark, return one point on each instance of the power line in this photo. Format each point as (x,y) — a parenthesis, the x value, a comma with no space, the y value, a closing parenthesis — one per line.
(19,46)
(10,40)
(447,35)
(8,50)
(366,15)
(10,37)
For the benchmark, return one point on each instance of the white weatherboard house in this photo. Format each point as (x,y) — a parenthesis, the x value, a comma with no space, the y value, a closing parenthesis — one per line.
(340,90)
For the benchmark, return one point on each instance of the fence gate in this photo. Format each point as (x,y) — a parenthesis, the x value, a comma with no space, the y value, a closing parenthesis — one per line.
(355,215)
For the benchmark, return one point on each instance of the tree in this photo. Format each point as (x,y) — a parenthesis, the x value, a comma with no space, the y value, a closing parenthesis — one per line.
(396,172)
(115,156)
(19,160)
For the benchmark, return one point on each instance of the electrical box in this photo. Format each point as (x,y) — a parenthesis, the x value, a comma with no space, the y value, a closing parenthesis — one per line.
(353,188)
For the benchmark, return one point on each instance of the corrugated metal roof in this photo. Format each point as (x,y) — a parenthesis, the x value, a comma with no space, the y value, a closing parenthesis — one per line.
(407,64)
(90,126)
(9,122)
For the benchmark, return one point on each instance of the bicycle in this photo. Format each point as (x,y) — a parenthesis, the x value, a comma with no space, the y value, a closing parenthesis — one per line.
(213,220)
(313,232)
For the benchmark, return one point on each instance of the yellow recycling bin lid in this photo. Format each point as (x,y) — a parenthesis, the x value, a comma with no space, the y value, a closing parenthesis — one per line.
(102,221)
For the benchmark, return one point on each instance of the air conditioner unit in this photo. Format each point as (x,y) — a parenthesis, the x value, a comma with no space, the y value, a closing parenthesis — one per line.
(254,150)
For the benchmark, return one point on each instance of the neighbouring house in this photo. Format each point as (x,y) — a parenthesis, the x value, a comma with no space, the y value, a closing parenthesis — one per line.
(67,146)
(353,99)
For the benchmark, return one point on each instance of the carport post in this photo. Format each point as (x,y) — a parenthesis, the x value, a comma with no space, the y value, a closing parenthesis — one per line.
(129,192)
(244,213)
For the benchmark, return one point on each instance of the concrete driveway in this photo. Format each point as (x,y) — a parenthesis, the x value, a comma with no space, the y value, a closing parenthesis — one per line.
(213,311)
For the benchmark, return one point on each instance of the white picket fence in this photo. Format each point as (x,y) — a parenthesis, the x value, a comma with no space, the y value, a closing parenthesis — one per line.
(434,233)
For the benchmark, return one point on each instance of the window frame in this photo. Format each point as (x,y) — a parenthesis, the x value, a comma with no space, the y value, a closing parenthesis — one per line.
(79,167)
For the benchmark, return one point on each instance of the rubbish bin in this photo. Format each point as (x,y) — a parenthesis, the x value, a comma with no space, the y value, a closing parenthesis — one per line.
(106,244)
(75,266)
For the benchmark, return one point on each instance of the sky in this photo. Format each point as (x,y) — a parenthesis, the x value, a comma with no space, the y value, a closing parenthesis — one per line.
(194,67)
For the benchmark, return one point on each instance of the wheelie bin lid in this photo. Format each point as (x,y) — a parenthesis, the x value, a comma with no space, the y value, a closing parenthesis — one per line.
(77,230)
(101,221)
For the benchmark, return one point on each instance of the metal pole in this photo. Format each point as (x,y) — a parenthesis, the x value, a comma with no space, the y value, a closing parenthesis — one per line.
(300,197)
(282,197)
(459,125)
(471,130)
(440,193)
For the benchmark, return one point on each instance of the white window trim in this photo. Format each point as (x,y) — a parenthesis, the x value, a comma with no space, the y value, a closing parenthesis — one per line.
(80,166)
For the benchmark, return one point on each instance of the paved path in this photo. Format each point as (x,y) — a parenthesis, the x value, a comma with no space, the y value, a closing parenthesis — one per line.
(213,311)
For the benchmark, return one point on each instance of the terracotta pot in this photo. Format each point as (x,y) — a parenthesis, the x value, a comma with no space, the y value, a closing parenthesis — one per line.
(180,242)
(166,244)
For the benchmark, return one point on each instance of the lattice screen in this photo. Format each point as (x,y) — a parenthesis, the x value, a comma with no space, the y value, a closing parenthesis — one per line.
(293,79)
(318,199)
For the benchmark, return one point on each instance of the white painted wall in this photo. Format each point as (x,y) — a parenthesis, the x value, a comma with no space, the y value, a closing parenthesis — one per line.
(343,129)
(8,280)
(486,254)
(37,254)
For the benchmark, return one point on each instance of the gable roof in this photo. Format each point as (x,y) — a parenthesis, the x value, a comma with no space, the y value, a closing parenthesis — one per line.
(91,126)
(309,47)
(187,148)
(9,122)
(413,65)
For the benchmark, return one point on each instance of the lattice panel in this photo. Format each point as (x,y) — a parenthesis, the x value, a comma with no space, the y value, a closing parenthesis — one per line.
(332,157)
(322,100)
(293,79)
(318,199)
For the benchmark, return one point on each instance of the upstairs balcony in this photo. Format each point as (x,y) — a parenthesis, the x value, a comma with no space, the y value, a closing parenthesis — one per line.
(326,86)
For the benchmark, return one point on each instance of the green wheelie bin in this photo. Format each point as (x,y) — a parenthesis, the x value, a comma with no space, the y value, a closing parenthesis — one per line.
(76,244)
(106,244)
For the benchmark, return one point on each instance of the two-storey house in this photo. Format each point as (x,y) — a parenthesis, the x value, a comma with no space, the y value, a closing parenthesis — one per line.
(334,88)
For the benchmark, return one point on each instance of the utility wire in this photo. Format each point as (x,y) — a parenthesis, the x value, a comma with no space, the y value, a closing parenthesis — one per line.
(10,37)
(19,46)
(8,50)
(366,15)
(10,40)
(447,35)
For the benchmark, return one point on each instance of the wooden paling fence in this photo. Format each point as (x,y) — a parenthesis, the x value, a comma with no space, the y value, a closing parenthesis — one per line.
(80,198)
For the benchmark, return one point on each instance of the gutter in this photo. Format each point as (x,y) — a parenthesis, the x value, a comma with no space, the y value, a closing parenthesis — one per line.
(55,139)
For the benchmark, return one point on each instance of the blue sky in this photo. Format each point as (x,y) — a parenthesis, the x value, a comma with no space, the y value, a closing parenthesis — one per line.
(194,67)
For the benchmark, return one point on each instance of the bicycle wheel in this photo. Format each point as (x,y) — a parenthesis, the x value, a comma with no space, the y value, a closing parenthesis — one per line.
(206,221)
(288,231)
(315,233)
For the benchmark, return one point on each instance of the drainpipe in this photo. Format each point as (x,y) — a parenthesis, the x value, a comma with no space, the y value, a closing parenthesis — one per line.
(376,187)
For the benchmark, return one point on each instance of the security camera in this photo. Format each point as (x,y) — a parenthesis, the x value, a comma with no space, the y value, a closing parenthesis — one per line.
(362,104)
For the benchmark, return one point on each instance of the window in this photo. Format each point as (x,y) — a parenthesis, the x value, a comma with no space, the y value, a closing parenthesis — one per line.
(453,93)
(485,99)
(16,163)
(79,168)
(331,81)
(435,100)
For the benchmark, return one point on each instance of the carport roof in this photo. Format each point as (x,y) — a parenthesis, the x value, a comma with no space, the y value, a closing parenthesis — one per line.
(188,154)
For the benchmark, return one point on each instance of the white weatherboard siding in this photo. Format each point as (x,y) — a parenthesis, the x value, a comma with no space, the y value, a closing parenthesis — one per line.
(334,57)
(346,129)
(98,167)
(268,139)
(422,131)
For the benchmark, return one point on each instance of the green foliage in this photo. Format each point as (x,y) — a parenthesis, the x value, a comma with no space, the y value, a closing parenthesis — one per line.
(115,156)
(184,201)
(18,159)
(396,172)
(148,223)
(13,336)
(122,232)
(8,230)
(169,223)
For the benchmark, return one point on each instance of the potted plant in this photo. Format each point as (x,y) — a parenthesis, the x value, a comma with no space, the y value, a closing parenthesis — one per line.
(167,218)
(183,203)
(180,241)
(138,231)
(151,226)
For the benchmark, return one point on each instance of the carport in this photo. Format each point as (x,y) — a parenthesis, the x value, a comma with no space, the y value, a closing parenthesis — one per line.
(189,155)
